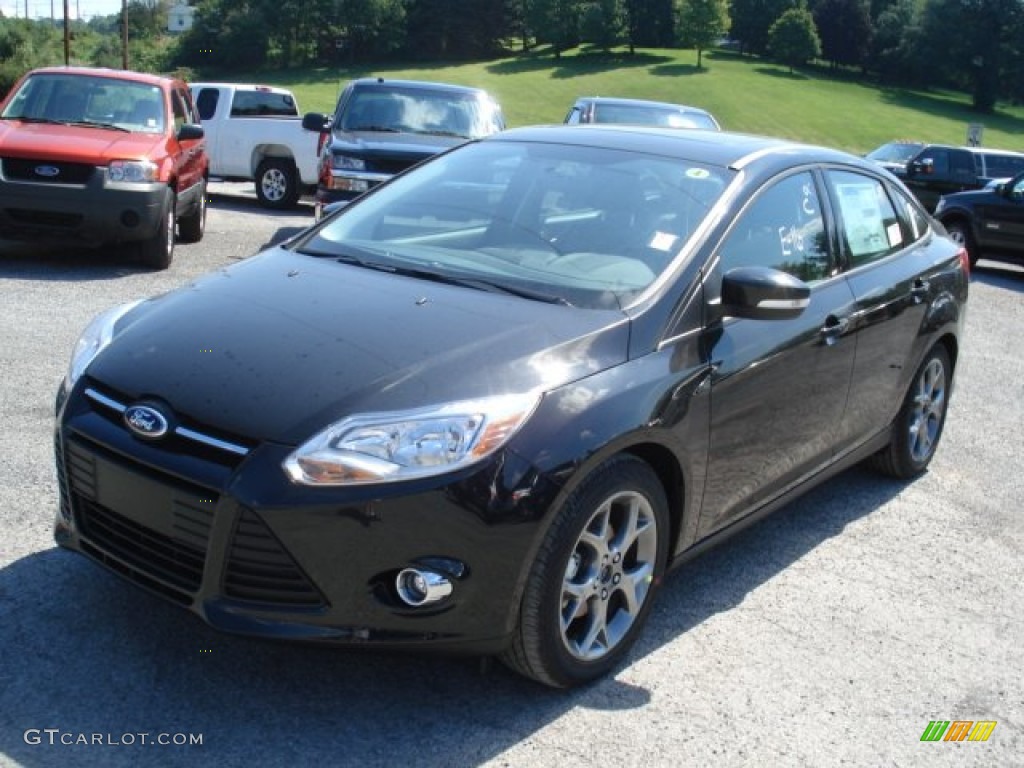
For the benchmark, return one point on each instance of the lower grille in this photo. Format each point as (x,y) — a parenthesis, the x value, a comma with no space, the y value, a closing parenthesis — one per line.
(49,219)
(143,554)
(261,570)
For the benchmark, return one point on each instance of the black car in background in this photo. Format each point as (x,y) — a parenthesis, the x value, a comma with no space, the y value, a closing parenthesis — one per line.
(381,127)
(487,405)
(988,221)
(933,170)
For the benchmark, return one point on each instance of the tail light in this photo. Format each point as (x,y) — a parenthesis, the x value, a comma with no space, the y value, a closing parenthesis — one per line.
(965,261)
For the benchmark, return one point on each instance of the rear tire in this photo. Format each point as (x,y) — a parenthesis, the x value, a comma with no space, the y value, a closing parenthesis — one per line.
(192,226)
(960,233)
(594,578)
(277,183)
(918,427)
(158,251)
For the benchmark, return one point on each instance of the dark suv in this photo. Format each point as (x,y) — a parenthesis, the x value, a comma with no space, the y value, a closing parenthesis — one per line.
(381,127)
(934,170)
(989,220)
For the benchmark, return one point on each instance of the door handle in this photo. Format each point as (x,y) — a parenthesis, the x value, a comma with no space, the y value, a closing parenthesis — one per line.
(834,327)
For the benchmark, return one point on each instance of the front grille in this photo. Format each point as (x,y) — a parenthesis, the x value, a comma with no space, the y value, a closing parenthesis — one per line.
(18,169)
(261,570)
(392,165)
(62,478)
(159,532)
(47,219)
(190,437)
(140,553)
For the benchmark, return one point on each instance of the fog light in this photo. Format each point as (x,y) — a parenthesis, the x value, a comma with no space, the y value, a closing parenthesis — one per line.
(418,587)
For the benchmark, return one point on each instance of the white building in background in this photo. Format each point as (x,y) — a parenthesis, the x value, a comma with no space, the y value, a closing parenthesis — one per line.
(180,17)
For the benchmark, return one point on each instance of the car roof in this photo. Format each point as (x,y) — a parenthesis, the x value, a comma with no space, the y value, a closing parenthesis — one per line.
(117,74)
(720,148)
(613,100)
(427,85)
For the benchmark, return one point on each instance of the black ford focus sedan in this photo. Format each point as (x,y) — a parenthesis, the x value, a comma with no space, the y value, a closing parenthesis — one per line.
(486,406)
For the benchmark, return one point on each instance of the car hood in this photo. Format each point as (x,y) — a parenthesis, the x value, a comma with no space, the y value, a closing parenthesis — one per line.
(381,142)
(279,346)
(75,143)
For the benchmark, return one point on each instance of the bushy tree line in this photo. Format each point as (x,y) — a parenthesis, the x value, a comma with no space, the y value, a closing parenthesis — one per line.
(972,45)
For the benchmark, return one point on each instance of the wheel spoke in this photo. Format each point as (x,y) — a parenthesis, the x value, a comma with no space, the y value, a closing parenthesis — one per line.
(595,640)
(634,587)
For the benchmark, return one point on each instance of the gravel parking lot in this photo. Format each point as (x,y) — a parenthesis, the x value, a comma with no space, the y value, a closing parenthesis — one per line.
(831,633)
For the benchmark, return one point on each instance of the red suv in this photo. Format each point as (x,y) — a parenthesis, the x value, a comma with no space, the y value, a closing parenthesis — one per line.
(98,156)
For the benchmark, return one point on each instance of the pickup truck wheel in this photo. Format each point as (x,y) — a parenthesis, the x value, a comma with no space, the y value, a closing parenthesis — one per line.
(277,184)
(157,252)
(192,226)
(960,233)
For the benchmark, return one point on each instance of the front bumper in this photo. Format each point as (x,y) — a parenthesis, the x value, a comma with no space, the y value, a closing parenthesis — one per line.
(228,537)
(88,214)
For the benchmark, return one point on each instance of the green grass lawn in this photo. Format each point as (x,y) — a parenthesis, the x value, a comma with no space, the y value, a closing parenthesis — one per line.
(745,94)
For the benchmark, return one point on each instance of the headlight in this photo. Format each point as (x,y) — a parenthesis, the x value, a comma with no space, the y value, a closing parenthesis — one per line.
(347,163)
(97,335)
(389,447)
(133,171)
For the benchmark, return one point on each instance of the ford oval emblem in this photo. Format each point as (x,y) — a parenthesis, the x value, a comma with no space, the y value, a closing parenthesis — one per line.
(146,422)
(47,170)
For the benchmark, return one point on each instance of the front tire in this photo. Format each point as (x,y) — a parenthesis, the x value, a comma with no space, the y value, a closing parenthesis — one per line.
(192,226)
(277,184)
(158,251)
(594,578)
(918,427)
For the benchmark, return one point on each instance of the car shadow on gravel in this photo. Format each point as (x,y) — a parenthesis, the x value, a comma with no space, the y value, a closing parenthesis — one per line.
(86,653)
(32,262)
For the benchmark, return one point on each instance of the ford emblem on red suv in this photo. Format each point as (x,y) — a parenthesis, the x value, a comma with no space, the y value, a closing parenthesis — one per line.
(47,170)
(145,422)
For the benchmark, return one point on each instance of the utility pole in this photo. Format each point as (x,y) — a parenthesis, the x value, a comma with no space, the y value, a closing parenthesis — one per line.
(124,34)
(67,35)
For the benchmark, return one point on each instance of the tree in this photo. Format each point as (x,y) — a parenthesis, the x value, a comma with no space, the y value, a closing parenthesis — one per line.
(602,23)
(974,40)
(845,29)
(701,23)
(751,20)
(793,39)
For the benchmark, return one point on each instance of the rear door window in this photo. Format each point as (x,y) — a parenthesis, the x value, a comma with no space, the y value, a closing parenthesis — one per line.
(869,227)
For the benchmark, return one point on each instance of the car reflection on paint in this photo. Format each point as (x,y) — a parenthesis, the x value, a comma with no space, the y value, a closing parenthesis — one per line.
(486,406)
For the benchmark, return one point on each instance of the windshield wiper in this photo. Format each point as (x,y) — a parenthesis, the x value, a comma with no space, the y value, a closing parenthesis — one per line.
(91,124)
(84,123)
(477,283)
(376,128)
(452,134)
(350,256)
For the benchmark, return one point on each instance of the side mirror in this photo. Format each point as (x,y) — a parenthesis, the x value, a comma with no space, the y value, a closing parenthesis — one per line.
(760,293)
(316,122)
(190,132)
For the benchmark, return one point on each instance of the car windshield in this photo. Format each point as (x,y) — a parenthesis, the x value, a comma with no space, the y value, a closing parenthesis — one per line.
(90,100)
(591,227)
(644,114)
(895,152)
(420,110)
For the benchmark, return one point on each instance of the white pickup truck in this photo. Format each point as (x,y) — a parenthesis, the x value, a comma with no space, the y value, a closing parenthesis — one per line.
(254,132)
